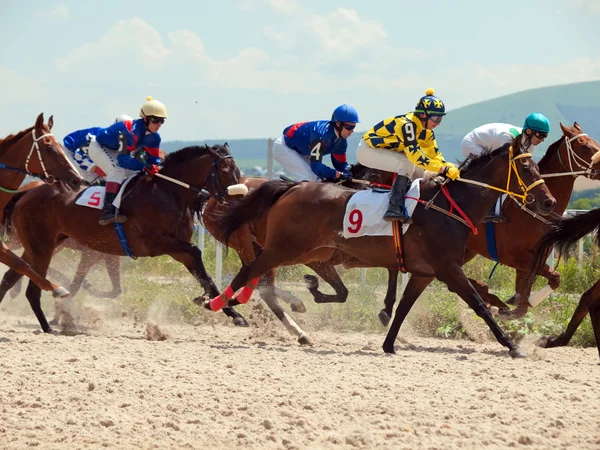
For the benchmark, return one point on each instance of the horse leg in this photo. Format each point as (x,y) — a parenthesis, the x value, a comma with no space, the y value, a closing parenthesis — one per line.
(10,278)
(191,258)
(489,298)
(266,289)
(326,270)
(16,289)
(414,288)
(457,282)
(390,297)
(22,267)
(590,300)
(86,263)
(41,261)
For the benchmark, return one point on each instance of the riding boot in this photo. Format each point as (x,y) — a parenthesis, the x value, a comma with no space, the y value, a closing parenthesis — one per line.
(109,212)
(396,209)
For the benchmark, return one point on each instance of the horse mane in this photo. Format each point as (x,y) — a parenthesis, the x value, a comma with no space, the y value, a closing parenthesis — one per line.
(187,153)
(551,151)
(473,162)
(358,170)
(12,138)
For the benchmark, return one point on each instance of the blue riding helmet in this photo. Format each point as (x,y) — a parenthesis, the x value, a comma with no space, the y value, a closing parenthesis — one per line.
(430,104)
(537,122)
(345,113)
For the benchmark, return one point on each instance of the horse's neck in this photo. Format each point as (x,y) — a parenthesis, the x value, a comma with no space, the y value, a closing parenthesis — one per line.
(186,173)
(560,187)
(9,179)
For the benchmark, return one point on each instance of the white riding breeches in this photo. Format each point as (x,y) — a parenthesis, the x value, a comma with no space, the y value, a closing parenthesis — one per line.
(467,147)
(106,159)
(388,160)
(297,165)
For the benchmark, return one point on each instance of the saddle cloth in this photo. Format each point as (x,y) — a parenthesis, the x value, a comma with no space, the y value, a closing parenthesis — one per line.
(93,197)
(365,210)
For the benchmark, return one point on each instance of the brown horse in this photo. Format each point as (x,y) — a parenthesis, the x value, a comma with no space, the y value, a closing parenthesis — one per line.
(36,152)
(307,217)
(247,241)
(566,234)
(89,258)
(159,218)
(564,160)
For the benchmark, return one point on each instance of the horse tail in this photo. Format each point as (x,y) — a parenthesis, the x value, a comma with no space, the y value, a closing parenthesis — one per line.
(8,212)
(565,234)
(252,206)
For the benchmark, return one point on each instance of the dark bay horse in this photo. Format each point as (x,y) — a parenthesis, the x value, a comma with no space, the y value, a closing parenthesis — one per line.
(159,222)
(308,217)
(571,156)
(564,236)
(36,152)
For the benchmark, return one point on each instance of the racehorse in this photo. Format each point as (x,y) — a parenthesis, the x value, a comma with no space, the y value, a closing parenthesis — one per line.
(564,236)
(307,217)
(570,156)
(249,238)
(36,152)
(89,258)
(159,218)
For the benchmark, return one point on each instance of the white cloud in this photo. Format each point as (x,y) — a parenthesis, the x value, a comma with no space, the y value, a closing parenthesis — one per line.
(589,6)
(288,7)
(58,12)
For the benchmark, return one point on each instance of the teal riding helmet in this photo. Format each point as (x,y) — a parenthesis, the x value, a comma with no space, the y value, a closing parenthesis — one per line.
(537,122)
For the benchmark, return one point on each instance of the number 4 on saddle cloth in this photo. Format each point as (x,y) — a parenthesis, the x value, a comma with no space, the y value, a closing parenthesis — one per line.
(365,210)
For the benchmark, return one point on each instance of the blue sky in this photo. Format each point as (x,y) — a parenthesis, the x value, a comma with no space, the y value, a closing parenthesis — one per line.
(248,68)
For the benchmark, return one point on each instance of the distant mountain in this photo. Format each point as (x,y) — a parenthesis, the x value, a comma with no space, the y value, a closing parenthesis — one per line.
(565,103)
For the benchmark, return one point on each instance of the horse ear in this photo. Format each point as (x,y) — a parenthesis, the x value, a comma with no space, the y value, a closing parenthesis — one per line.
(562,127)
(39,122)
(51,122)
(226,145)
(576,125)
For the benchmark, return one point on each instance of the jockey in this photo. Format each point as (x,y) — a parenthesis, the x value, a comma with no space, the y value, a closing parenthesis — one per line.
(301,147)
(495,135)
(406,145)
(77,143)
(110,148)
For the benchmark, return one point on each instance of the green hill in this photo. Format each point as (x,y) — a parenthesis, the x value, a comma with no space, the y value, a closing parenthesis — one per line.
(565,103)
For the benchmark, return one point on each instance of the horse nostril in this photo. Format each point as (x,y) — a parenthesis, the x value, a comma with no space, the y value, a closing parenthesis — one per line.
(549,203)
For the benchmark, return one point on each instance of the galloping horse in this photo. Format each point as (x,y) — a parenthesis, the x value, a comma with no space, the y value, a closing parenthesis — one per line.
(33,151)
(247,240)
(564,236)
(308,217)
(565,159)
(159,218)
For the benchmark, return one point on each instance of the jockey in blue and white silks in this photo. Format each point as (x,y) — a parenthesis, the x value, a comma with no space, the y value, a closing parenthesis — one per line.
(110,148)
(301,147)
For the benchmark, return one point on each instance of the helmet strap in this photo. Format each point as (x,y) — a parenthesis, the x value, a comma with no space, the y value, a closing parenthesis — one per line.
(337,127)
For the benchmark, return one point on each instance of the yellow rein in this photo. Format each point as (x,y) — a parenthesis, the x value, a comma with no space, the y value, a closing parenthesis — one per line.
(512,167)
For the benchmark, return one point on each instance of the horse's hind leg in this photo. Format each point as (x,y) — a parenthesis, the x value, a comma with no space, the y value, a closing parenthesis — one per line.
(267,293)
(414,288)
(10,278)
(326,270)
(590,301)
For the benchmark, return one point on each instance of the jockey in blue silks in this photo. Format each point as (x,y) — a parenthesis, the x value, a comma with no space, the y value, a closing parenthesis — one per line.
(301,147)
(110,149)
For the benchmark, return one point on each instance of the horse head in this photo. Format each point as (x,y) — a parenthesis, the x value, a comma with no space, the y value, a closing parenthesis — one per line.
(46,158)
(582,152)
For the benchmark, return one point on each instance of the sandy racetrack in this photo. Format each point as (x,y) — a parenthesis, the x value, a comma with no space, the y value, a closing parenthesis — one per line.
(223,387)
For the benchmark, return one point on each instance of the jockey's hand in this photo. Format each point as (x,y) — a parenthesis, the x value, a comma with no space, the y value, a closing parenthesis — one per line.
(346,175)
(98,171)
(451,172)
(151,169)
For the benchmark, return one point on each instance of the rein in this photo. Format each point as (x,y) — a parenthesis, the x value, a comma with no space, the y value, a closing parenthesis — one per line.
(50,179)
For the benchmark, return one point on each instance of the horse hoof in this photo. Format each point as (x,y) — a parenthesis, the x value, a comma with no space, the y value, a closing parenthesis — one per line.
(239,321)
(60,292)
(299,308)
(517,353)
(494,310)
(512,301)
(384,318)
(311,281)
(304,340)
(204,303)
(389,349)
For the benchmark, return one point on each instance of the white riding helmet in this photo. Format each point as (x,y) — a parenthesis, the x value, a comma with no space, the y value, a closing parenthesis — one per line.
(122,118)
(153,108)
